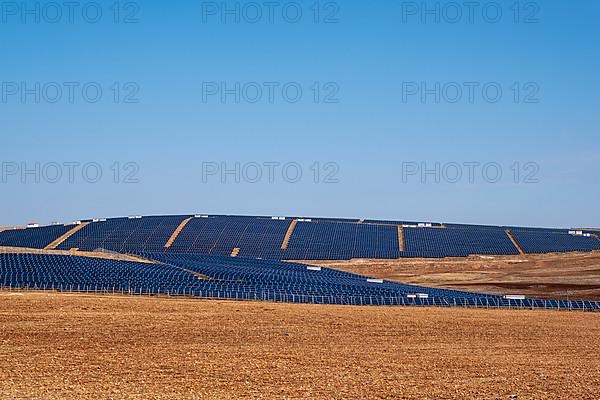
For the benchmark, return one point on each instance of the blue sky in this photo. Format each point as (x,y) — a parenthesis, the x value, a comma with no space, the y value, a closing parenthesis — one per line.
(164,125)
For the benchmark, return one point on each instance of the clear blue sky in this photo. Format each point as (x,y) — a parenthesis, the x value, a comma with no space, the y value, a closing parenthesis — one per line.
(370,133)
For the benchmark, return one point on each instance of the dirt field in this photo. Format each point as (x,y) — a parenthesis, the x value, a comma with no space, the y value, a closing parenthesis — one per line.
(571,275)
(101,347)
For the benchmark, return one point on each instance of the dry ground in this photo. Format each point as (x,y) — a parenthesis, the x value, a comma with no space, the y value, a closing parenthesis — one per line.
(572,275)
(104,347)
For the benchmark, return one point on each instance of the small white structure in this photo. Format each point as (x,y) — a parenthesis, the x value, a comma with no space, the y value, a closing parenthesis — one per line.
(514,297)
(372,280)
(417,296)
(135,217)
(33,225)
(312,268)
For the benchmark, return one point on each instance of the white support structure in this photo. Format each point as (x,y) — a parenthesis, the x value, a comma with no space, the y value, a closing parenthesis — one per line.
(514,297)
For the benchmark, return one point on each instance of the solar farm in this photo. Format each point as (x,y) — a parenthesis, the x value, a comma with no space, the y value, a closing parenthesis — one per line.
(258,258)
(221,307)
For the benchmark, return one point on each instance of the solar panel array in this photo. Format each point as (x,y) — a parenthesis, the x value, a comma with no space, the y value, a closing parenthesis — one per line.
(321,238)
(49,271)
(341,241)
(33,238)
(243,275)
(256,237)
(453,242)
(237,278)
(548,241)
(124,234)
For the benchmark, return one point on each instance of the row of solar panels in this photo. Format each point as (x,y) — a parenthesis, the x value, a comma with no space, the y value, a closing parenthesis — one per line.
(179,272)
(237,278)
(260,237)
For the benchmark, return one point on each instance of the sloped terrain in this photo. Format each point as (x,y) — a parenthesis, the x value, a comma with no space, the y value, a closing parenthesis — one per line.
(557,276)
(234,278)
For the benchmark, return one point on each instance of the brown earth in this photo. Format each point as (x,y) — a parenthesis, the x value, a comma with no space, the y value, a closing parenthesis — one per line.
(105,347)
(567,275)
(8,228)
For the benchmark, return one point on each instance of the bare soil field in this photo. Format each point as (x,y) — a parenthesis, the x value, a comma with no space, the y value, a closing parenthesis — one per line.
(556,276)
(105,347)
